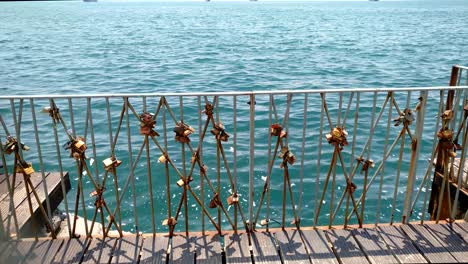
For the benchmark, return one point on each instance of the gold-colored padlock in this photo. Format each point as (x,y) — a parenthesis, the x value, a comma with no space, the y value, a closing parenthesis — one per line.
(80,144)
(180,183)
(28,170)
(162,159)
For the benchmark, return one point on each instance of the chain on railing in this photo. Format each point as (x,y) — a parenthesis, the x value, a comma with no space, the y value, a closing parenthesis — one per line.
(365,152)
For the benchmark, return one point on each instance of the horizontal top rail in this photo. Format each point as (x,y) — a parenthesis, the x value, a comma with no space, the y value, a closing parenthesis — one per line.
(234,93)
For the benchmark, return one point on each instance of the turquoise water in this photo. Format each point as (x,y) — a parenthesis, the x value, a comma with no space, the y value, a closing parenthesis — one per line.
(82,48)
(72,47)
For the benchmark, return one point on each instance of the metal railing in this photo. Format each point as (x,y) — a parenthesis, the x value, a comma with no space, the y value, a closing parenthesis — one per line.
(236,160)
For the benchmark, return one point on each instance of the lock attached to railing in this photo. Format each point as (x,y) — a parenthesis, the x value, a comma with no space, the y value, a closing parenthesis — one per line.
(406,117)
(277,131)
(208,109)
(233,199)
(25,168)
(111,163)
(338,137)
(287,156)
(11,145)
(77,147)
(219,132)
(182,132)
(147,123)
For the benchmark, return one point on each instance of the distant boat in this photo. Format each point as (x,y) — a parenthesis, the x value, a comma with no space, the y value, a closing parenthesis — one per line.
(373,0)
(90,0)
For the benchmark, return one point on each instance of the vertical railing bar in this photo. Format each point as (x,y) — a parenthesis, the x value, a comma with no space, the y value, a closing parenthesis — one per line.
(301,173)
(372,129)
(356,118)
(251,159)
(109,127)
(270,123)
(10,189)
(286,116)
(93,139)
(112,146)
(150,185)
(332,195)
(319,155)
(166,165)
(382,172)
(39,155)
(408,99)
(340,107)
(415,149)
(234,153)
(184,168)
(398,173)
(130,161)
(455,108)
(200,136)
(62,180)
(218,164)
(72,116)
(144,104)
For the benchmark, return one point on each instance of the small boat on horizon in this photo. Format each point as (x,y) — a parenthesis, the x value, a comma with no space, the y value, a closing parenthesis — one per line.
(90,0)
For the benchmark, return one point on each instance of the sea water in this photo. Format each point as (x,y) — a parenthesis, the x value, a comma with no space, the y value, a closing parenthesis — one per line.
(78,48)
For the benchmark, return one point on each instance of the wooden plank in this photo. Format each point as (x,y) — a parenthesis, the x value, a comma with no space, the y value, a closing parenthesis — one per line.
(264,248)
(207,249)
(237,248)
(53,183)
(373,246)
(4,186)
(17,251)
(319,249)
(450,240)
(44,251)
(100,250)
(432,250)
(127,249)
(291,247)
(345,246)
(154,250)
(72,250)
(181,251)
(462,232)
(19,194)
(400,245)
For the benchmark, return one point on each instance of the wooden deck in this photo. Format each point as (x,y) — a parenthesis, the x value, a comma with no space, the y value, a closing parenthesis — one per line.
(429,243)
(23,216)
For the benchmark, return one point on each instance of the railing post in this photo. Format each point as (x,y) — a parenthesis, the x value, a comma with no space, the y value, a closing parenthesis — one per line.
(441,160)
(415,149)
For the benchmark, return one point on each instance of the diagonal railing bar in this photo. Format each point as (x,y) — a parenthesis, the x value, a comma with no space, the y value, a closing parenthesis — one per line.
(10,190)
(279,143)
